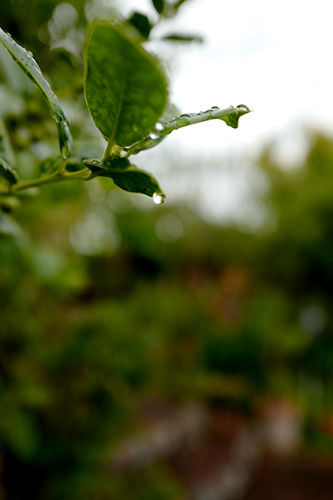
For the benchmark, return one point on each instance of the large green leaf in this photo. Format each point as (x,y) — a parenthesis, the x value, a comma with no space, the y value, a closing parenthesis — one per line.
(126,91)
(26,62)
(127,177)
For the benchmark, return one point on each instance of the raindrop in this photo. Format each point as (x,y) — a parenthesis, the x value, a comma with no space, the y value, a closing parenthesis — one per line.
(93,162)
(231,106)
(154,135)
(29,54)
(215,107)
(135,128)
(158,198)
(57,117)
(159,126)
(243,106)
(184,120)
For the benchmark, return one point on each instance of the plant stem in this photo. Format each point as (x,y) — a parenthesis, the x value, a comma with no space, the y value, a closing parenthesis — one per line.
(58,176)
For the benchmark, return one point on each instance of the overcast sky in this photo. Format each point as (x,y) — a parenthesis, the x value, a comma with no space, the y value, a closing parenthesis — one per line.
(274,56)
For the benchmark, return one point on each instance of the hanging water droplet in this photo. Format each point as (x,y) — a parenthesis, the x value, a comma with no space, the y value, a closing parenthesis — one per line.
(215,107)
(158,198)
(154,135)
(243,106)
(29,54)
(135,128)
(159,126)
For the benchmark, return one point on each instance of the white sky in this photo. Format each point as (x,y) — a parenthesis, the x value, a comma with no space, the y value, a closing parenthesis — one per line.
(274,56)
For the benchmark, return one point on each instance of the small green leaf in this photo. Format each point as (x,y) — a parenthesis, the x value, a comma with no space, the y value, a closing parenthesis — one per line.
(176,37)
(230,116)
(159,5)
(141,23)
(26,62)
(126,91)
(8,173)
(126,176)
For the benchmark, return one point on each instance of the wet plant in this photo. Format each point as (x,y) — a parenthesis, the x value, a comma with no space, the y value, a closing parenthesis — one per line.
(127,96)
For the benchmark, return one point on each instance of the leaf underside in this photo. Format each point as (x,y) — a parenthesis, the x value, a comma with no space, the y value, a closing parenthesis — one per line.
(126,91)
(126,176)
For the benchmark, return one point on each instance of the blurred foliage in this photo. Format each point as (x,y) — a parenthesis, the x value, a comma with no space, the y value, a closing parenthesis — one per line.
(103,304)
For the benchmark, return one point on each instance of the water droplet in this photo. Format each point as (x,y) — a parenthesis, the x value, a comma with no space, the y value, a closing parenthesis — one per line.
(57,117)
(159,126)
(29,54)
(231,106)
(215,107)
(158,198)
(201,113)
(135,128)
(154,135)
(183,120)
(243,106)
(96,163)
(55,97)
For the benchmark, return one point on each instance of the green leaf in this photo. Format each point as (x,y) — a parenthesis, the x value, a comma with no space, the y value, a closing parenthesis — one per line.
(26,62)
(8,173)
(126,91)
(128,177)
(159,5)
(141,23)
(176,37)
(230,116)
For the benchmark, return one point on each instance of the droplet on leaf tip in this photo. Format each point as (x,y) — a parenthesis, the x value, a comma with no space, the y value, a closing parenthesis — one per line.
(158,198)
(243,106)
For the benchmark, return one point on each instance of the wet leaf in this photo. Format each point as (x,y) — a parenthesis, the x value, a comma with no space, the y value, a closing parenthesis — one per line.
(126,176)
(126,91)
(27,63)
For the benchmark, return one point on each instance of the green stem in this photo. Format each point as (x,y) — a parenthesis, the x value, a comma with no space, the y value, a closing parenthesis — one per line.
(58,176)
